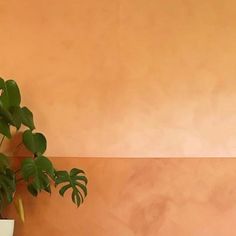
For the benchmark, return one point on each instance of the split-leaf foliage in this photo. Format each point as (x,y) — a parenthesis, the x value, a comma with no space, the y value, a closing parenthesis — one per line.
(36,170)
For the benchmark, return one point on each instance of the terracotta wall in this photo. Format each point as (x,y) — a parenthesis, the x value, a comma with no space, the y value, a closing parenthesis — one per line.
(129,78)
(125,77)
(140,197)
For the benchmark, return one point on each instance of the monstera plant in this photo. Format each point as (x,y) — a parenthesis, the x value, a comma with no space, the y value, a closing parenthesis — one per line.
(35,170)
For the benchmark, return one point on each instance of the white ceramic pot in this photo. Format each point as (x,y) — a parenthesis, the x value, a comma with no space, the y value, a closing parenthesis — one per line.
(6,227)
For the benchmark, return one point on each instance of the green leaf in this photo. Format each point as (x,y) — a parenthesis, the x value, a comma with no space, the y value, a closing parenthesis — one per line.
(27,118)
(8,193)
(16,116)
(36,172)
(35,142)
(7,185)
(21,116)
(4,95)
(10,99)
(76,171)
(33,190)
(4,128)
(5,113)
(44,164)
(4,162)
(76,181)
(48,189)
(63,189)
(13,91)
(10,93)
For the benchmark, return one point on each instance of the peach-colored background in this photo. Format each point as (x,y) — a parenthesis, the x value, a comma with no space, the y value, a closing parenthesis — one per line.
(140,197)
(130,78)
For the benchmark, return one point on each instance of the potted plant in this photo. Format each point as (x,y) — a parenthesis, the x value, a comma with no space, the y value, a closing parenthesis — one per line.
(36,170)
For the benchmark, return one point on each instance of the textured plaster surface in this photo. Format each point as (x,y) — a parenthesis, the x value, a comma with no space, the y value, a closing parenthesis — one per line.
(140,197)
(130,78)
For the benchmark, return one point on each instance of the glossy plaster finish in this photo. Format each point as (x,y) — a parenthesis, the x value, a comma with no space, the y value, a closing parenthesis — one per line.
(141,197)
(125,77)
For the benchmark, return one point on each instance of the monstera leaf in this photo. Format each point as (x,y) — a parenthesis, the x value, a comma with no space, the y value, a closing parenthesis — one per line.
(16,119)
(7,186)
(20,116)
(27,118)
(4,162)
(35,142)
(5,114)
(76,181)
(36,173)
(7,181)
(10,109)
(10,93)
(5,128)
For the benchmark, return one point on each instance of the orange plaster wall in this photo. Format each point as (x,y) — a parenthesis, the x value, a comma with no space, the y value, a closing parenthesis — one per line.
(125,77)
(140,197)
(130,78)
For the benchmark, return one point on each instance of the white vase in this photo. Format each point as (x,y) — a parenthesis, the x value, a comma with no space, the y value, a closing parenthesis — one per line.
(6,227)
